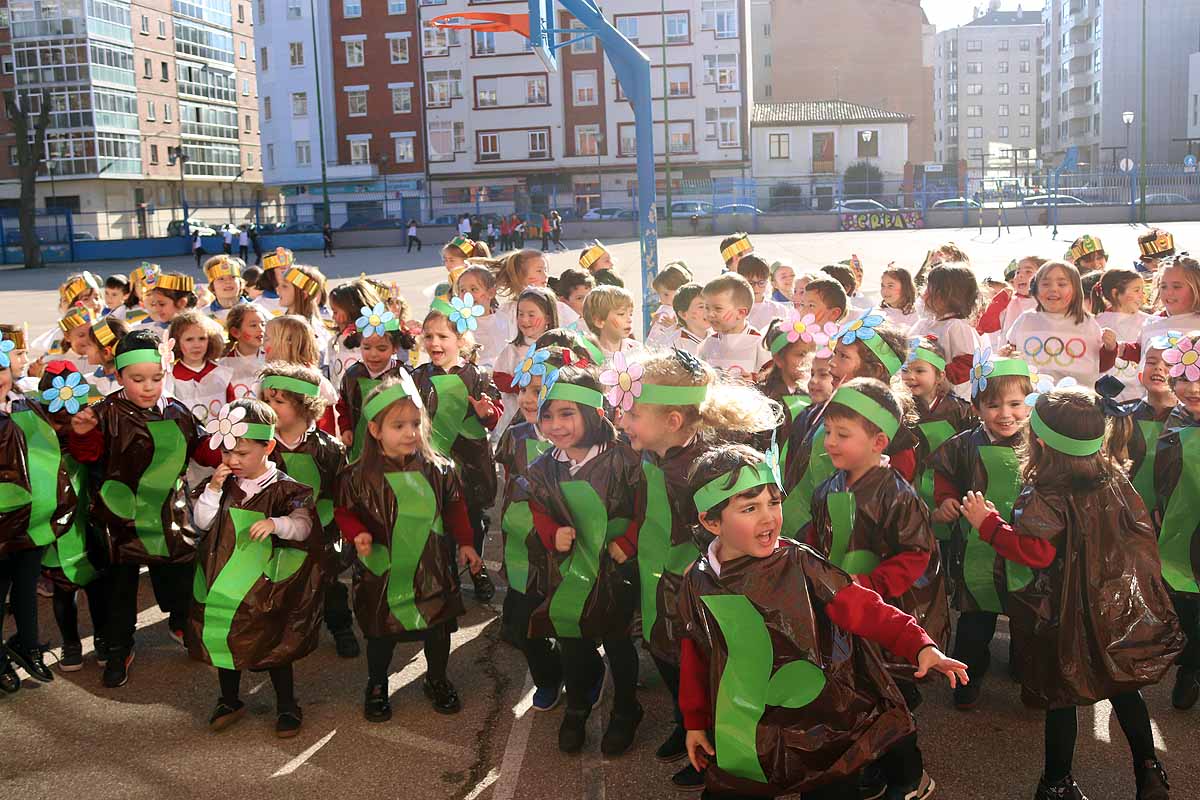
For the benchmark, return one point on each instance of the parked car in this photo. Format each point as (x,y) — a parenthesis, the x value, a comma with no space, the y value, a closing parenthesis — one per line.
(1042,200)
(175,228)
(601,213)
(956,202)
(860,206)
(83,236)
(1165,199)
(627,214)
(301,227)
(686,209)
(738,208)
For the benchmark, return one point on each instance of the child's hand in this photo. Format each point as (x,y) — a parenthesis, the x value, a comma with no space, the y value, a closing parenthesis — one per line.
(484,407)
(948,511)
(84,422)
(930,658)
(1008,351)
(35,368)
(362,543)
(699,748)
(1109,338)
(217,481)
(976,508)
(261,529)
(617,554)
(348,438)
(563,539)
(467,556)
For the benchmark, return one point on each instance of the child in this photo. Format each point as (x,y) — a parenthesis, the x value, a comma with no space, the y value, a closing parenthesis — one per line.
(494,330)
(573,286)
(1155,245)
(172,294)
(681,411)
(246,326)
(141,441)
(839,717)
(1117,304)
(1087,254)
(401,505)
(983,458)
(820,378)
(849,283)
(105,335)
(608,314)
(291,338)
(951,297)
(734,248)
(537,312)
(898,297)
(524,269)
(255,523)
(224,275)
(1179,295)
(454,257)
(76,343)
(275,265)
(302,293)
(758,275)
(316,459)
(141,280)
(783,282)
(875,527)
(81,289)
(587,496)
(692,314)
(345,304)
(1022,298)
(825,299)
(734,346)
(1078,509)
(464,405)
(196,379)
(596,259)
(664,323)
(119,297)
(379,341)
(1137,425)
(784,377)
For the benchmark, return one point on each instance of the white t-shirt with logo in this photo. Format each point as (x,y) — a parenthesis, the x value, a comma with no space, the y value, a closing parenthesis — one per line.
(1056,345)
(738,354)
(1128,328)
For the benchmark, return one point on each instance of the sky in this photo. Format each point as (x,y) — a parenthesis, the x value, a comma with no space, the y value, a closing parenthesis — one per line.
(948,13)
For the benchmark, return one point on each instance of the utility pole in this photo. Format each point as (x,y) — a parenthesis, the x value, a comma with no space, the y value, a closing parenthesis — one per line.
(176,154)
(1142,165)
(320,116)
(666,123)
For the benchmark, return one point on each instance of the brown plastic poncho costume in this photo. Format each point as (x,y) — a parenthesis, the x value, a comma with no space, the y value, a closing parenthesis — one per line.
(457,432)
(1177,487)
(357,383)
(519,446)
(799,702)
(37,500)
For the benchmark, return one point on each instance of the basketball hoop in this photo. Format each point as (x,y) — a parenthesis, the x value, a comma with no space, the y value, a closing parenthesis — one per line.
(483,21)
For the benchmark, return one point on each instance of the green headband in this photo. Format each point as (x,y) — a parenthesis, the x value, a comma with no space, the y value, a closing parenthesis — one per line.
(1064,444)
(714,492)
(1002,367)
(870,408)
(876,344)
(258,431)
(291,385)
(780,342)
(928,356)
(575,394)
(384,399)
(655,395)
(141,356)
(441,306)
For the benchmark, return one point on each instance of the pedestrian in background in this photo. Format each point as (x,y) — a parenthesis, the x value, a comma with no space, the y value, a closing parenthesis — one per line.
(243,242)
(227,234)
(327,236)
(256,245)
(197,246)
(412,235)
(556,230)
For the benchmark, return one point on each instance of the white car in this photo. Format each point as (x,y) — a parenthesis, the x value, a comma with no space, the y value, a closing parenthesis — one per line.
(1052,200)
(859,207)
(602,213)
(956,202)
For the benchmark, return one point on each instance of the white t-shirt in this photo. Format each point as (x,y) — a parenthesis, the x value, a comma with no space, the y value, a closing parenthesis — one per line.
(1157,326)
(228,234)
(898,318)
(1017,306)
(1055,345)
(412,230)
(627,346)
(243,239)
(664,326)
(738,354)
(687,341)
(761,314)
(1128,328)
(494,332)
(956,337)
(859,303)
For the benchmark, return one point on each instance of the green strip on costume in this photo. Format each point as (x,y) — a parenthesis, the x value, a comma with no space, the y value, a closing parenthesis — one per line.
(1179,521)
(534,448)
(1061,442)
(579,571)
(746,686)
(365,387)
(575,394)
(842,507)
(936,433)
(516,525)
(44,459)
(416,513)
(797,506)
(869,408)
(69,552)
(303,468)
(145,506)
(1143,481)
(1003,472)
(656,555)
(454,416)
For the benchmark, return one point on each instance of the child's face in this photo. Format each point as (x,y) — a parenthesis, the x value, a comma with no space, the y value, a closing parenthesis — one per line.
(921,378)
(723,315)
(340,317)
(193,344)
(575,298)
(562,423)
(482,295)
(1003,415)
(376,353)
(441,342)
(18,361)
(279,273)
(812,303)
(1176,294)
(1131,298)
(161,307)
(696,316)
(666,296)
(248,458)
(534,272)
(114,296)
(617,325)
(226,289)
(820,381)
(142,383)
(89,299)
(254,292)
(603,262)
(453,259)
(252,330)
(649,428)
(1188,393)
(287,294)
(784,280)
(845,364)
(1025,272)
(1055,292)
(531,321)
(1156,373)
(1092,262)
(850,446)
(890,291)
(285,408)
(759,285)
(398,431)
(80,341)
(748,525)
(791,361)
(527,399)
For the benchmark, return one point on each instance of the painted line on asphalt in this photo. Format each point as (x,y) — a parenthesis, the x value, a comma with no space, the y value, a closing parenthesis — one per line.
(487,781)
(298,761)
(416,668)
(592,762)
(518,742)
(1101,716)
(398,735)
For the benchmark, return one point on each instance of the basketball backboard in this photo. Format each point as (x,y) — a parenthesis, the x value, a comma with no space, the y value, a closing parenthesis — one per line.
(541,23)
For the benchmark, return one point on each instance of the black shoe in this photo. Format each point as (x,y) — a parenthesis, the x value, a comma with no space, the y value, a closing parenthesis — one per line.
(1066,789)
(1152,781)
(377,707)
(621,730)
(918,790)
(485,590)
(688,779)
(573,731)
(1187,689)
(346,643)
(872,782)
(225,714)
(10,681)
(29,660)
(674,748)
(101,650)
(966,696)
(443,696)
(116,671)
(288,723)
(72,657)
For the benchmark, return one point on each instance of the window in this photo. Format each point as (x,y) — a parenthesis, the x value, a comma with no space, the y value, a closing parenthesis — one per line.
(442,86)
(145,25)
(974,133)
(1003,131)
(538,144)
(267,107)
(868,144)
(974,88)
(435,42)
(163,69)
(150,110)
(262,58)
(360,151)
(1002,111)
(628,26)
(271,156)
(722,69)
(1023,109)
(303,152)
(249,163)
(489,147)
(721,124)
(460,137)
(356,103)
(441,143)
(485,92)
(299,104)
(401,100)
(242,50)
(404,149)
(1023,45)
(677,29)
(147,68)
(766,59)
(241,13)
(398,49)
(296,53)
(1024,132)
(721,16)
(245,87)
(975,152)
(679,80)
(1002,67)
(587,140)
(974,45)
(1024,66)
(586,44)
(247,126)
(1023,88)
(153,154)
(681,137)
(162,29)
(354,54)
(779,145)
(974,68)
(1003,45)
(166,112)
(1002,88)
(397,6)
(484,43)
(535,90)
(583,87)
(974,111)
(294,10)
(351,8)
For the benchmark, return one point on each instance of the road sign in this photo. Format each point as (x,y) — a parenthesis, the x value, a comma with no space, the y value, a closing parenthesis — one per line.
(1126,165)
(1189,163)
(541,37)
(933,167)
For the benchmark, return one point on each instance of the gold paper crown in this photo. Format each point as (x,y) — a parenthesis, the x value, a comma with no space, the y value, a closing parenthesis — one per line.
(742,245)
(223,267)
(16,336)
(103,333)
(1161,245)
(75,318)
(463,245)
(176,283)
(146,275)
(302,282)
(1085,245)
(71,290)
(592,255)
(282,257)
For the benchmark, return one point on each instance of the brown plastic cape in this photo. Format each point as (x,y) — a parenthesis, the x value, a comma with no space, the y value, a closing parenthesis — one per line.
(830,707)
(354,379)
(410,582)
(888,519)
(272,589)
(37,502)
(1179,525)
(1098,621)
(473,456)
(952,409)
(592,606)
(79,555)
(522,564)
(142,500)
(318,461)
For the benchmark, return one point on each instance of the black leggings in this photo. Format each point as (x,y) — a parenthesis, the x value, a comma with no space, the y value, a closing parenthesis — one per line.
(583,666)
(337,607)
(1062,728)
(172,584)
(20,572)
(972,642)
(670,676)
(545,666)
(282,678)
(66,613)
(437,655)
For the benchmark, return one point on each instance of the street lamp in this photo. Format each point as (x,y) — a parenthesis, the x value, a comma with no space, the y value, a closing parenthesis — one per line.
(383,162)
(52,167)
(1127,118)
(177,154)
(240,172)
(599,178)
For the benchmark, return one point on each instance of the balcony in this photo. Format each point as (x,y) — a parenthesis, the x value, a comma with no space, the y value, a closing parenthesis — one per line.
(1081,80)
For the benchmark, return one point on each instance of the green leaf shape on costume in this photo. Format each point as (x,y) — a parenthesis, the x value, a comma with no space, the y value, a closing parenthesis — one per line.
(13,497)
(1179,520)
(534,448)
(365,387)
(842,509)
(936,433)
(145,506)
(746,686)
(797,506)
(44,459)
(516,524)
(579,571)
(303,467)
(69,551)
(656,554)
(454,416)
(1003,471)
(1143,481)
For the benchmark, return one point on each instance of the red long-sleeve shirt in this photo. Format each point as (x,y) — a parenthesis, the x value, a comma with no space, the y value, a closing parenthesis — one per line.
(504,382)
(989,321)
(88,448)
(958,369)
(454,516)
(1028,550)
(546,526)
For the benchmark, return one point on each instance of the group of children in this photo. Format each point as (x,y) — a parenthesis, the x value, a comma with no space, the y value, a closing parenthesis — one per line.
(781,492)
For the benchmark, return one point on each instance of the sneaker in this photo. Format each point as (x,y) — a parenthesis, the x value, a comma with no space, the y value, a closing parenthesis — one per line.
(919,790)
(966,696)
(674,748)
(377,708)
(29,660)
(1151,781)
(116,671)
(346,643)
(1066,789)
(443,696)
(101,650)
(545,698)
(688,779)
(597,693)
(10,681)
(620,732)
(225,714)
(1187,689)
(485,590)
(573,731)
(288,723)
(72,657)
(872,782)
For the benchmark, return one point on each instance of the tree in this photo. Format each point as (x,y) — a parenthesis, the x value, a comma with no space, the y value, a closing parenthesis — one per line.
(30,156)
(863,181)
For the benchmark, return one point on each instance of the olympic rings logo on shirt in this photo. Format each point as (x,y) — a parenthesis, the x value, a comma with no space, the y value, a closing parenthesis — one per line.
(1053,350)
(202,412)
(242,390)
